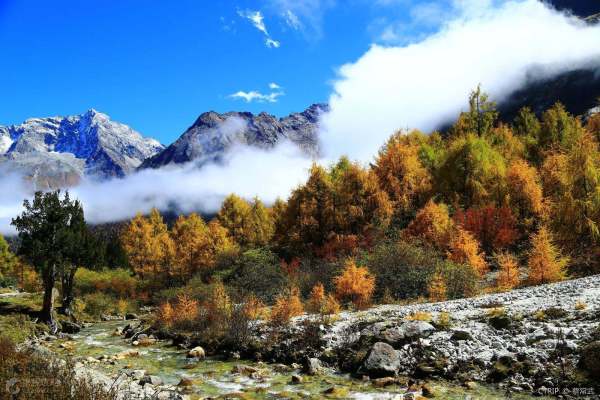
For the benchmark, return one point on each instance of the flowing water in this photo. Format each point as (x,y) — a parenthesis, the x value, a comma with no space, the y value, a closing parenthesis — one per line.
(214,377)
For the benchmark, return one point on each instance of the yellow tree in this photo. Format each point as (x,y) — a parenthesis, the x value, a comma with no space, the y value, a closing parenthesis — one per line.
(140,246)
(165,247)
(525,190)
(235,216)
(464,249)
(355,284)
(316,299)
(401,173)
(545,262)
(190,236)
(508,273)
(432,224)
(262,225)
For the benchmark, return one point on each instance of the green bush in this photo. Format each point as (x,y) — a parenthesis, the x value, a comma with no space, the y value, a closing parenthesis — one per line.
(461,280)
(99,303)
(117,282)
(403,269)
(256,271)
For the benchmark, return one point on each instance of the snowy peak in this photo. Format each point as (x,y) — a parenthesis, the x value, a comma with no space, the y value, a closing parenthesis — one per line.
(90,144)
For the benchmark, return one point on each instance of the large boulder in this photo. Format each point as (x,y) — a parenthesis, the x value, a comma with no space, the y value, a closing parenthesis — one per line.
(407,331)
(382,361)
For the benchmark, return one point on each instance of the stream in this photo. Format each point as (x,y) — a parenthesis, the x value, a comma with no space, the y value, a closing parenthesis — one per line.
(215,378)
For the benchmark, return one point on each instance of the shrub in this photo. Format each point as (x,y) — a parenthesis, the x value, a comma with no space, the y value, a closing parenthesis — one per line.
(97,304)
(580,305)
(437,288)
(403,269)
(321,303)
(287,306)
(461,280)
(254,308)
(34,377)
(116,282)
(443,321)
(256,271)
(355,284)
(419,316)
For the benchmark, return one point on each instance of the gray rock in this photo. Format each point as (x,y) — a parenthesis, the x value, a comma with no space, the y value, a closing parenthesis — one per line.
(151,380)
(409,330)
(383,360)
(312,366)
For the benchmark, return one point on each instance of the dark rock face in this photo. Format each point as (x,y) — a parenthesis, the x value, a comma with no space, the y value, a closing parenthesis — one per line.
(213,134)
(581,8)
(577,90)
(59,151)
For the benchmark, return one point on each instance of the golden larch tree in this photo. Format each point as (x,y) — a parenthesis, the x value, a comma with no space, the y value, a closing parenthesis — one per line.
(464,249)
(355,284)
(545,262)
(508,271)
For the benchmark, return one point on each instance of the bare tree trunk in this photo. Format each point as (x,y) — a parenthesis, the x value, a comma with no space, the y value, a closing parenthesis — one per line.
(68,279)
(47,312)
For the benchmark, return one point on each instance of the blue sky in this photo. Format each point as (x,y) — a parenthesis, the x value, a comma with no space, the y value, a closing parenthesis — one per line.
(156,65)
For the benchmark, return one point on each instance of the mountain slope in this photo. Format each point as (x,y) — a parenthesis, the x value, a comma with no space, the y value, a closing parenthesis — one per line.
(578,90)
(212,134)
(59,151)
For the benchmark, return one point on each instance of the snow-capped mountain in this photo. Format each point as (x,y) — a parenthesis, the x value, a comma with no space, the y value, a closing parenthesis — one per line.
(213,134)
(59,151)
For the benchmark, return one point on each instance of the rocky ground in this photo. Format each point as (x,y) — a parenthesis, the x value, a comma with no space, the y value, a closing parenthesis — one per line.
(536,339)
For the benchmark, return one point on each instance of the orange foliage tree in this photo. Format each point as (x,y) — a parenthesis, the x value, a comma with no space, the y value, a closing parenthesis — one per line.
(508,274)
(401,173)
(355,284)
(287,306)
(432,224)
(493,226)
(545,262)
(464,249)
(525,190)
(148,245)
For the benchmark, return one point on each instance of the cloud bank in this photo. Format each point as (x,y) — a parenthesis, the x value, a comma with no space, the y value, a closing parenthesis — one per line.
(425,84)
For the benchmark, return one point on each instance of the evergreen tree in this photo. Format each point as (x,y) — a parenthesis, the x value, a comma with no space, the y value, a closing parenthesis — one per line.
(54,240)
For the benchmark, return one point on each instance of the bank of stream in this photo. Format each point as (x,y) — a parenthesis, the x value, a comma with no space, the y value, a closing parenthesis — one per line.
(95,348)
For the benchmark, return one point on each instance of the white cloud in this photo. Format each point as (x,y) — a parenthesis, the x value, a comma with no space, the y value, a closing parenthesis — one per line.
(246,171)
(254,95)
(270,43)
(425,84)
(257,19)
(292,20)
(303,15)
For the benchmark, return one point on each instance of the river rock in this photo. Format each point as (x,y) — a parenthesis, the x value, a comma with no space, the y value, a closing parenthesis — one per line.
(185,382)
(382,361)
(130,316)
(197,352)
(70,327)
(296,379)
(151,380)
(312,366)
(409,330)
(459,335)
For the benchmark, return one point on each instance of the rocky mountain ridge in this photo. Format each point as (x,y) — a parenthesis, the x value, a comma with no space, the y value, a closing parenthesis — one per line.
(212,134)
(59,151)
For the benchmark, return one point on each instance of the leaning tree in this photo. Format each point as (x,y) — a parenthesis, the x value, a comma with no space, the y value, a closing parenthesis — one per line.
(55,240)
